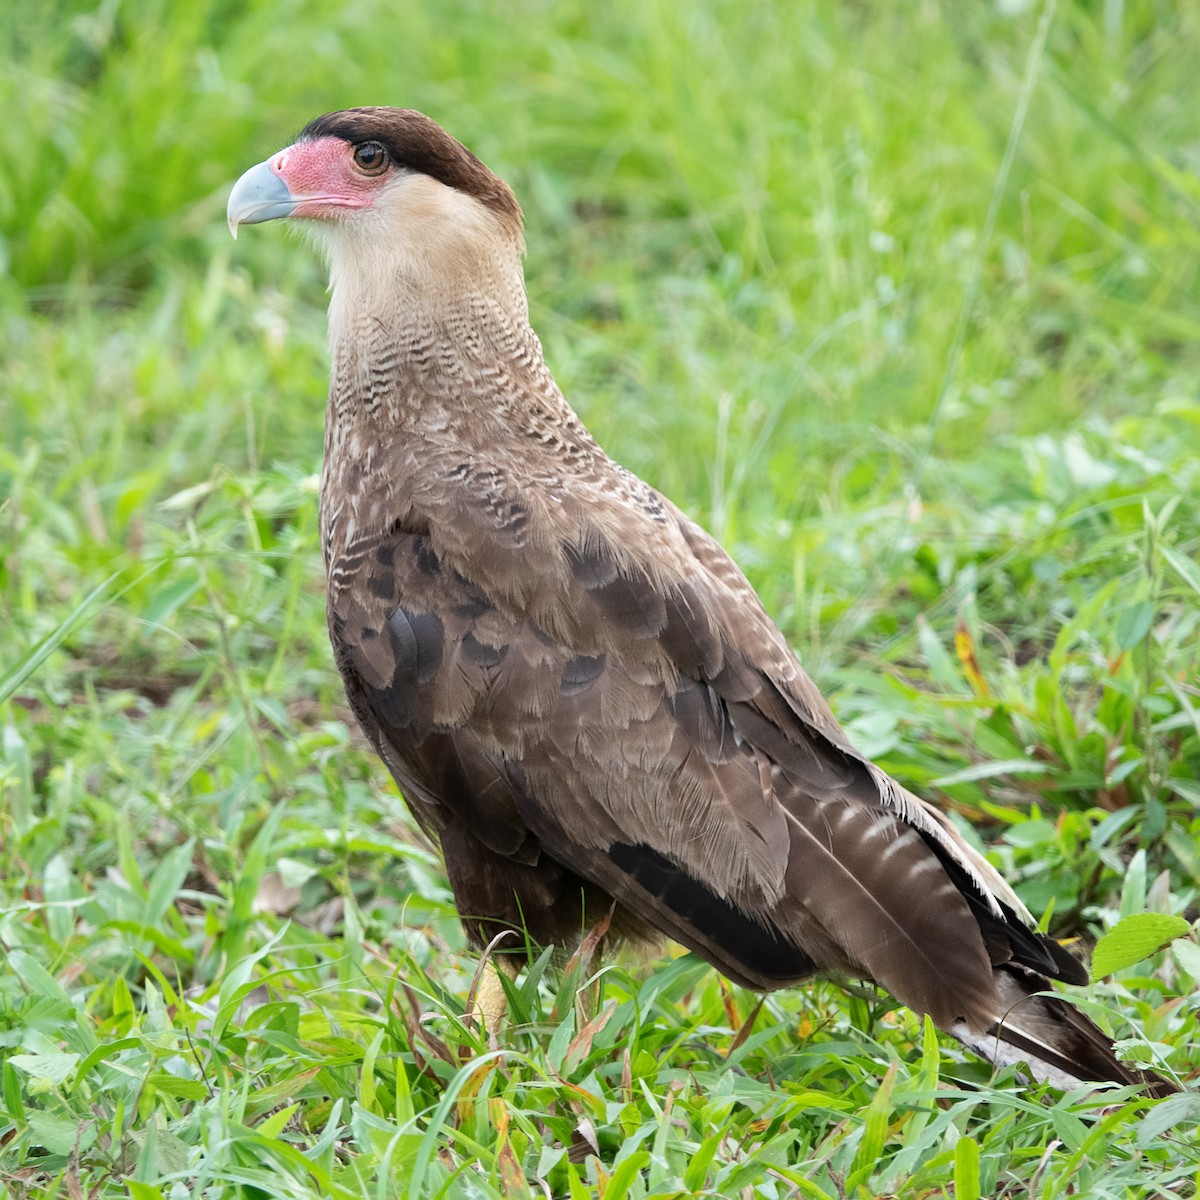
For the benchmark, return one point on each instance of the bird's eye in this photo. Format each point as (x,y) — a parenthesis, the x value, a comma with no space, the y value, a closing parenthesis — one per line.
(370,158)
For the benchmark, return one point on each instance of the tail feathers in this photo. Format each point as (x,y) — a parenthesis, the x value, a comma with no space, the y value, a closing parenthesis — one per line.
(1056,1042)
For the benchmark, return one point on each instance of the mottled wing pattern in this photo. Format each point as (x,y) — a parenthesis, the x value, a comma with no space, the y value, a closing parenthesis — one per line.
(651,740)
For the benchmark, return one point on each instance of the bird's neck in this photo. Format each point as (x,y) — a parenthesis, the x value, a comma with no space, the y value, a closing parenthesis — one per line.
(428,378)
(418,339)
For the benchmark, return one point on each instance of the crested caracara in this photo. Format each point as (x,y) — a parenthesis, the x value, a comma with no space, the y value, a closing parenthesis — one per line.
(579,694)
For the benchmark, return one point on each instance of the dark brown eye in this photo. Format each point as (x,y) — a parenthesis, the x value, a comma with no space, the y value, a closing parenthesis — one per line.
(370,158)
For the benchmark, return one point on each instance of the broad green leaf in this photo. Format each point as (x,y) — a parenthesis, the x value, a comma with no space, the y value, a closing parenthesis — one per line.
(166,881)
(366,1078)
(175,1085)
(943,668)
(989,770)
(1187,955)
(556,1051)
(273,1125)
(60,1135)
(1134,938)
(163,1153)
(1141,1052)
(1133,624)
(10,1086)
(57,884)
(1133,886)
(405,1109)
(1185,789)
(1183,565)
(166,601)
(579,1189)
(1175,1110)
(50,1068)
(698,1164)
(1070,1129)
(161,941)
(143,1191)
(35,978)
(875,1123)
(623,1175)
(106,1051)
(966,1169)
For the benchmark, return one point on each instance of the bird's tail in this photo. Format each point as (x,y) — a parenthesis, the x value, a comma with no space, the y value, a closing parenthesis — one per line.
(1056,1042)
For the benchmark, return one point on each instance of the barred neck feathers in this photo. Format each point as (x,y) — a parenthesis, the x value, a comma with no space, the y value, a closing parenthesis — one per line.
(429,323)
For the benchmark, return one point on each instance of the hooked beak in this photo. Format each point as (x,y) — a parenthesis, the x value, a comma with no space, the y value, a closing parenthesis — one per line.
(260,195)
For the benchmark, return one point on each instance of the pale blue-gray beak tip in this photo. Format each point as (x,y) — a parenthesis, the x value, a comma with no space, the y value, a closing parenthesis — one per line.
(260,195)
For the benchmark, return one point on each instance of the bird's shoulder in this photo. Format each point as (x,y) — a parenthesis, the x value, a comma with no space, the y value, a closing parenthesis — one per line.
(578,553)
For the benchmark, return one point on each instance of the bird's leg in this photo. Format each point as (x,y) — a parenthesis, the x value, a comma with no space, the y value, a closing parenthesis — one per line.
(491,1001)
(487,1001)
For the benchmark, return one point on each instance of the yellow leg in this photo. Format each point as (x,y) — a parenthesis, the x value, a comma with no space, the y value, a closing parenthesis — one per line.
(490,1003)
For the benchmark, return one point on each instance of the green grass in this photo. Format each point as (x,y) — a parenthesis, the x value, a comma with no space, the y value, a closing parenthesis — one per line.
(900,300)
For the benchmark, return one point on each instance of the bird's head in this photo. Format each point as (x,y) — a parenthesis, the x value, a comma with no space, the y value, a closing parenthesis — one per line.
(385,190)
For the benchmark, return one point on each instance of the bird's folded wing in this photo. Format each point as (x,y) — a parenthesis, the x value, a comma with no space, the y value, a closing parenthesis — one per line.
(651,731)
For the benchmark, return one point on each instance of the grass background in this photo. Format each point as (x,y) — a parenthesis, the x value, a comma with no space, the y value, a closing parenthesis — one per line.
(899,299)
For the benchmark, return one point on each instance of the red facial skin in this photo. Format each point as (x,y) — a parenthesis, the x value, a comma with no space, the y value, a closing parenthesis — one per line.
(323,176)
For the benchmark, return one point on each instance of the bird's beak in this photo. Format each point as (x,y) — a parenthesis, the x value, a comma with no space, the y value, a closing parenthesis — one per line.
(260,195)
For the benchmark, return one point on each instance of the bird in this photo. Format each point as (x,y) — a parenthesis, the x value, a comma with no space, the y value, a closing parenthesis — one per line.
(577,691)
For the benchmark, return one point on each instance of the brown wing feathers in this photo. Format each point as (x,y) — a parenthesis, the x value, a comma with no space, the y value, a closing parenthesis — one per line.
(555,778)
(722,807)
(578,691)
